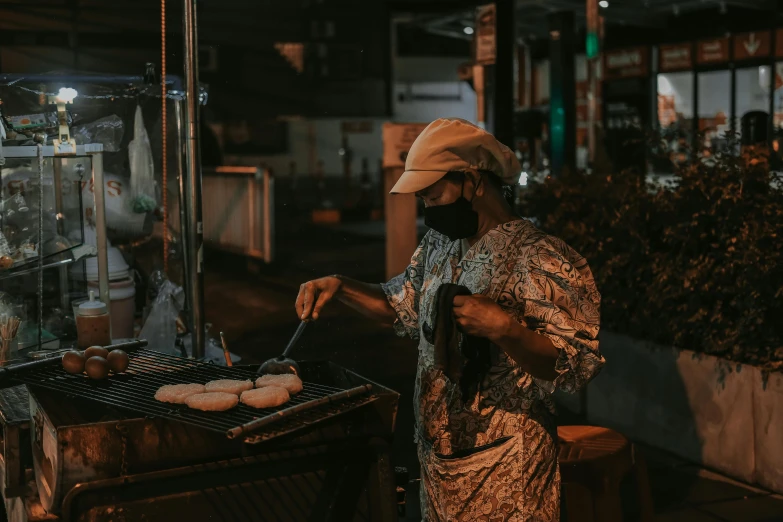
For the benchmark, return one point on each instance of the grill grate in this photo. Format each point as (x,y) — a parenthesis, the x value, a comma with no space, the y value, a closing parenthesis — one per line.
(148,370)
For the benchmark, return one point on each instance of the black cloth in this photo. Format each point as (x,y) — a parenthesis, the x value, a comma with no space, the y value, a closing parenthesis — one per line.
(464,363)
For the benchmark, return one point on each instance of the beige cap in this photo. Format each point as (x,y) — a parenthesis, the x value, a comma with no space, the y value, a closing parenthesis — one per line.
(454,145)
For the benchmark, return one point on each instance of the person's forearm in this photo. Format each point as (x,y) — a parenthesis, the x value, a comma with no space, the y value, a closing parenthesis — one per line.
(535,353)
(367,299)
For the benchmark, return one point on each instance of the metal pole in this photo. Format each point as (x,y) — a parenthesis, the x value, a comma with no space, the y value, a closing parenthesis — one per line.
(195,235)
(592,100)
(41,242)
(183,215)
(503,80)
(100,228)
(65,299)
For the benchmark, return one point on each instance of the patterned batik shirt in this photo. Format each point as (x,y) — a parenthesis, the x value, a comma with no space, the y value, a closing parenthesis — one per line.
(493,457)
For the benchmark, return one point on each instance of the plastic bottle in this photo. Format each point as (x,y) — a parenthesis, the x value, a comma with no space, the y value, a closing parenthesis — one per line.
(93,324)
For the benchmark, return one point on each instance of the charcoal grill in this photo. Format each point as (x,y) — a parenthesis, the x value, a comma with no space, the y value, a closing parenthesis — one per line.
(106,450)
(148,370)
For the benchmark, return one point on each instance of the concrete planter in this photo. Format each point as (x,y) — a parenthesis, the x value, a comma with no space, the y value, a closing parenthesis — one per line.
(699,407)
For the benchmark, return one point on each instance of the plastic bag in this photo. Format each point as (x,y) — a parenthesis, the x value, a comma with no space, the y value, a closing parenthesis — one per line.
(160,329)
(142,168)
(107,131)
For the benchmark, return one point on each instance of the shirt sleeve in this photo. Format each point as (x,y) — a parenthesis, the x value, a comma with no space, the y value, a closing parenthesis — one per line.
(403,293)
(554,293)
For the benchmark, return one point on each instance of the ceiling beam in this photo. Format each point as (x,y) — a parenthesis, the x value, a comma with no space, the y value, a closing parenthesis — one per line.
(442,6)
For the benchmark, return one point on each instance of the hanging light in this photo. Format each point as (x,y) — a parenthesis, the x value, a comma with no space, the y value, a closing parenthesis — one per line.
(603,3)
(66,95)
(467,30)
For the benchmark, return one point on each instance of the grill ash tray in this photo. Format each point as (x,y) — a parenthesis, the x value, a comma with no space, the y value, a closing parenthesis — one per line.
(327,390)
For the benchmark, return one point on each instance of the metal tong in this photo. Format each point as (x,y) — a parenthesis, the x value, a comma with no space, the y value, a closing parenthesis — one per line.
(282,364)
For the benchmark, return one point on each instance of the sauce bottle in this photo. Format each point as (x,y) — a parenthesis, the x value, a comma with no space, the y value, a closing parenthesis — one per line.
(93,324)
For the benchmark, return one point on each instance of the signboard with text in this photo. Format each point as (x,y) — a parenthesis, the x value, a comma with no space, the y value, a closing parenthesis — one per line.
(676,57)
(712,51)
(756,44)
(632,62)
(485,34)
(397,141)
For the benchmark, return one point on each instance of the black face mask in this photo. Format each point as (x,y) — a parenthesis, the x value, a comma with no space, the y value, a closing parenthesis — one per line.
(455,220)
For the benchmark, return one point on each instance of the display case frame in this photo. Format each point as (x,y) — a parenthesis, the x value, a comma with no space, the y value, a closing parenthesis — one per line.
(93,152)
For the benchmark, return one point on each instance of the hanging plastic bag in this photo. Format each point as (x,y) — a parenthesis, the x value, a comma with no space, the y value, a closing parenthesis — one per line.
(142,168)
(160,328)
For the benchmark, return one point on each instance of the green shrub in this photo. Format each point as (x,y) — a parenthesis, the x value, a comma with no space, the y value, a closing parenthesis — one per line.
(697,264)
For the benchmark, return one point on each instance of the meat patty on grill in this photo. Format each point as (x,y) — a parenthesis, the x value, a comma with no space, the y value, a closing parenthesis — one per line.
(212,401)
(177,393)
(229,386)
(266,397)
(289,381)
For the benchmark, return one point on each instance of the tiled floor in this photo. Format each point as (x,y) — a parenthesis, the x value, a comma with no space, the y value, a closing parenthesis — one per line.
(683,491)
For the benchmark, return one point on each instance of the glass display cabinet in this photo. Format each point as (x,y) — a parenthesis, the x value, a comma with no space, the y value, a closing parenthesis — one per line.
(42,232)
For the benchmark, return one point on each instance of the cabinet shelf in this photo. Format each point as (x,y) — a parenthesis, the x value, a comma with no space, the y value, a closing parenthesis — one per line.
(74,254)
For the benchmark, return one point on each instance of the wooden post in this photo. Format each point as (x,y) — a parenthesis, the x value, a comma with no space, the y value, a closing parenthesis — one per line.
(401,234)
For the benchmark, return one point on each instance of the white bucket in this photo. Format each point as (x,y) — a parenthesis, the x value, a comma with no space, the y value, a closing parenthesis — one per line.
(122,306)
(118,268)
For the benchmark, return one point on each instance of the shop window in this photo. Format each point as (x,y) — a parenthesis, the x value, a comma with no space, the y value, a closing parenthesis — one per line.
(752,104)
(714,110)
(675,120)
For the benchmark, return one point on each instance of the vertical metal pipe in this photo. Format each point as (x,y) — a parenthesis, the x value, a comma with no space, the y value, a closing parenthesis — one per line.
(269,216)
(65,299)
(183,215)
(592,100)
(195,237)
(528,101)
(41,241)
(503,80)
(100,228)
(562,92)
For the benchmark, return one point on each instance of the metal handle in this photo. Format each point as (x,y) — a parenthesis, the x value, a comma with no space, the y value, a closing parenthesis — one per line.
(50,361)
(226,353)
(294,339)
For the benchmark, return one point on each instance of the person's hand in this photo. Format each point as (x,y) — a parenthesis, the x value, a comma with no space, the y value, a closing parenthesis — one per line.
(313,295)
(480,316)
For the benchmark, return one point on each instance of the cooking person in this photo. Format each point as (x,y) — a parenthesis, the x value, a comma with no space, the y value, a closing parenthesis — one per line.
(490,455)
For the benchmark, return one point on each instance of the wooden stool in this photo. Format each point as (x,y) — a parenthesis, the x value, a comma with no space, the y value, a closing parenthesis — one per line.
(593,462)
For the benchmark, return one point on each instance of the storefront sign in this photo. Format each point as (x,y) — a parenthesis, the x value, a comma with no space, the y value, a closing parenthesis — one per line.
(757,44)
(675,57)
(397,141)
(626,63)
(485,34)
(712,51)
(779,43)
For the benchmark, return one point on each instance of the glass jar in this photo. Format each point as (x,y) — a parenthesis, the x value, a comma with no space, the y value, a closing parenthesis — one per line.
(93,324)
